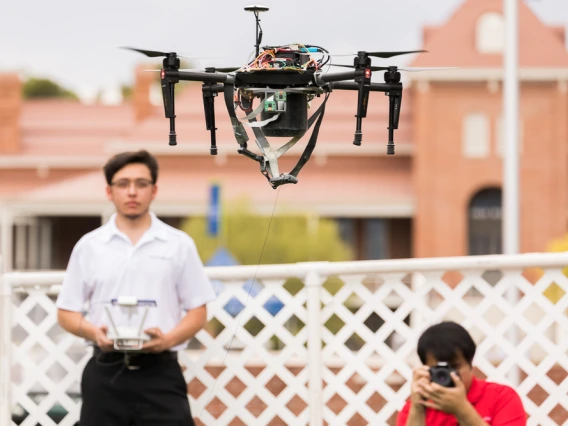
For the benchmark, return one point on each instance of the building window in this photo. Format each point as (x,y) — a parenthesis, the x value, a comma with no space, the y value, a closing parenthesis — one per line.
(368,237)
(484,219)
(490,33)
(500,136)
(475,136)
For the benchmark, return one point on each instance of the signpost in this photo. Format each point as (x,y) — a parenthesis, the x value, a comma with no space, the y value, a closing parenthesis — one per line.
(214,211)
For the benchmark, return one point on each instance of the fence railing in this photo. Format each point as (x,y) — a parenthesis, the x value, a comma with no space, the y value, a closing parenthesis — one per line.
(315,342)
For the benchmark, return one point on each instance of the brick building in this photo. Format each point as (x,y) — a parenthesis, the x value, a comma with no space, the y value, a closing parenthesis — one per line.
(439,196)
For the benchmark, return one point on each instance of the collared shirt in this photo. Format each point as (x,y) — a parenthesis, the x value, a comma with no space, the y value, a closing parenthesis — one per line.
(163,266)
(497,405)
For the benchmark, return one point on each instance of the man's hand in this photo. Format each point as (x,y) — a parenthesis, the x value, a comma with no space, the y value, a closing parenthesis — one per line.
(102,340)
(449,400)
(158,343)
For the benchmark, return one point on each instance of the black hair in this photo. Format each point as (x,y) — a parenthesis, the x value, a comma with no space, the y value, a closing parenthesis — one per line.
(121,160)
(445,341)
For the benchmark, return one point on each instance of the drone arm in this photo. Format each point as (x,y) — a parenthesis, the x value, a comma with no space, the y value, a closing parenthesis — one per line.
(351,85)
(322,79)
(206,77)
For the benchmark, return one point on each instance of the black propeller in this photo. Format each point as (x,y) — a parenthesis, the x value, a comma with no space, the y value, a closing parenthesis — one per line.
(211,69)
(157,54)
(151,53)
(383,54)
(411,69)
(214,69)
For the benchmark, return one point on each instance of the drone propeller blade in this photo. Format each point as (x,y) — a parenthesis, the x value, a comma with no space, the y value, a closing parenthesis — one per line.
(391,54)
(373,68)
(415,69)
(221,69)
(409,69)
(156,54)
(383,54)
(149,53)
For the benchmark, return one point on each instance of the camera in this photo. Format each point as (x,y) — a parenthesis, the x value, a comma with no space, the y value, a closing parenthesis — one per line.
(441,374)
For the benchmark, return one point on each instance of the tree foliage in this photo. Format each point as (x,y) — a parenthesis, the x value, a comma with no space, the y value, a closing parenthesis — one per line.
(255,239)
(38,88)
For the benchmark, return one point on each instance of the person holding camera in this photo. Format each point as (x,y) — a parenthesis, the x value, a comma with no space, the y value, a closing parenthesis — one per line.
(445,392)
(138,257)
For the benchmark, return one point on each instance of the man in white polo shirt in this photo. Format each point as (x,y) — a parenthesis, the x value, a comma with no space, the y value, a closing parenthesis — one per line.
(137,256)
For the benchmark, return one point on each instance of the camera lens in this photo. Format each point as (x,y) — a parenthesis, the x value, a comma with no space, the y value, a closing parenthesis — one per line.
(442,377)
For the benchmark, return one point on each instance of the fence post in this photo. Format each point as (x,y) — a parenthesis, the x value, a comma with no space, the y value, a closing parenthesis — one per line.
(5,349)
(315,361)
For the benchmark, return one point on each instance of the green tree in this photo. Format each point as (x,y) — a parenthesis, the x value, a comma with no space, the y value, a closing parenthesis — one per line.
(126,92)
(285,239)
(38,88)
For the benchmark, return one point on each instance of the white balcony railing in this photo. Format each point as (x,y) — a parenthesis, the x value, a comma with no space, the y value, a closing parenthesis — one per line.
(315,342)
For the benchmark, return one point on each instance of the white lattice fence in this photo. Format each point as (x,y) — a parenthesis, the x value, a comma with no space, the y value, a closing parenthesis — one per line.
(319,343)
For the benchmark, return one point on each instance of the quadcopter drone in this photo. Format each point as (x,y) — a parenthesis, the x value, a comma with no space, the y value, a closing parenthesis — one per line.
(283,80)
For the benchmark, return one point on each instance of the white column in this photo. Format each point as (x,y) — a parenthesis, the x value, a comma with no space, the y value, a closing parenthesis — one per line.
(33,244)
(6,239)
(45,238)
(511,108)
(5,317)
(21,246)
(511,191)
(5,350)
(315,361)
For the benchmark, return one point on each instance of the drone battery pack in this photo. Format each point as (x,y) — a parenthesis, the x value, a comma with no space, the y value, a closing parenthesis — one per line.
(293,122)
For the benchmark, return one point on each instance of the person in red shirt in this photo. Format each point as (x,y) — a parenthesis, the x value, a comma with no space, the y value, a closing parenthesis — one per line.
(468,401)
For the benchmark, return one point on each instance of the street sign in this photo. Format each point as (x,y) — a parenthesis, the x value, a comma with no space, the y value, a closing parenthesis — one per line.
(214,210)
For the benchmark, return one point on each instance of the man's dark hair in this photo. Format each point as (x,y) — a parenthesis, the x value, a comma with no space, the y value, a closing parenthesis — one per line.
(445,341)
(132,157)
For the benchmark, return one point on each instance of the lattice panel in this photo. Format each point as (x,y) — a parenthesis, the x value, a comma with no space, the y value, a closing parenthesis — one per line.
(371,326)
(250,365)
(47,363)
(253,366)
(247,367)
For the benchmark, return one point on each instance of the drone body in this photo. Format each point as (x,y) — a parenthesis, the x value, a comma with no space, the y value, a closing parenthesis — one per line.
(271,94)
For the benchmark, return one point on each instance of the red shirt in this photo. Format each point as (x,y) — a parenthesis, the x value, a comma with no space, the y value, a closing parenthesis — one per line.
(497,404)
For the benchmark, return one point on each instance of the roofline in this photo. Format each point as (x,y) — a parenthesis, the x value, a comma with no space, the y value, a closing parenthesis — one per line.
(484,74)
(386,209)
(369,147)
(59,161)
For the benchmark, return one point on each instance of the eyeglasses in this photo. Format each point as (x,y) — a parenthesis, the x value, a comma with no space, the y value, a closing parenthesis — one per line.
(138,184)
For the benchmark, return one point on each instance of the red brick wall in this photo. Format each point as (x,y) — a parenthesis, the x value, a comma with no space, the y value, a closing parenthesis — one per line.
(445,181)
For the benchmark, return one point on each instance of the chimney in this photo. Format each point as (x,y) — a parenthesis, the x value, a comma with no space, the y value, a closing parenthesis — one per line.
(143,107)
(10,112)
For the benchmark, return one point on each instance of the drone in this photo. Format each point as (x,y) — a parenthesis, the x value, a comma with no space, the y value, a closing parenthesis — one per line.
(282,80)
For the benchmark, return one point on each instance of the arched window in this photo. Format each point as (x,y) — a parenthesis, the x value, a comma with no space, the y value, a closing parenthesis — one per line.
(490,33)
(484,219)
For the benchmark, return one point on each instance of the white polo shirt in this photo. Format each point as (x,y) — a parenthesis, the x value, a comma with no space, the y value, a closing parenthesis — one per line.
(163,266)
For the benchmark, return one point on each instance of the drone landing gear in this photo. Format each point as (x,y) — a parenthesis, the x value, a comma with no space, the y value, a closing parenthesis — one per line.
(392,76)
(362,62)
(209,107)
(171,63)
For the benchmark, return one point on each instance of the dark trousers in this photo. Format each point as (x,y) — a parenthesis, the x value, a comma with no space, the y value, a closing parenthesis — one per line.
(144,390)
